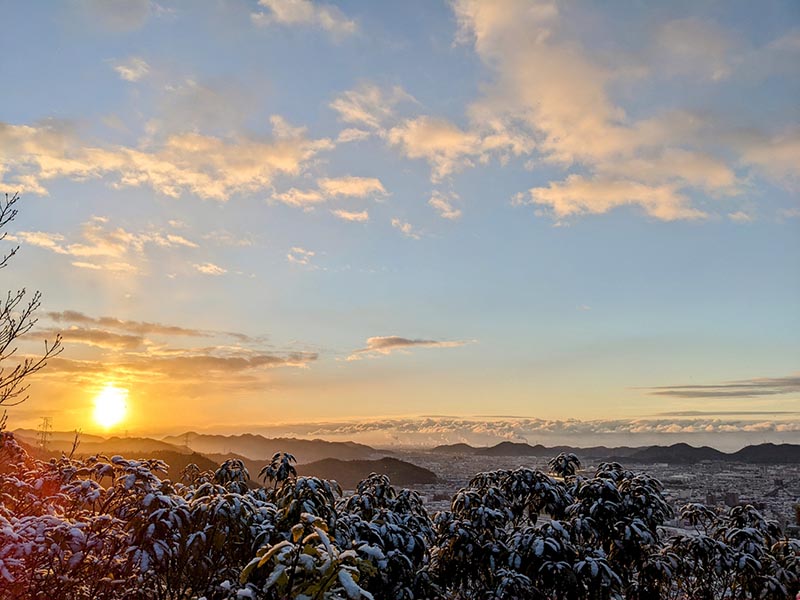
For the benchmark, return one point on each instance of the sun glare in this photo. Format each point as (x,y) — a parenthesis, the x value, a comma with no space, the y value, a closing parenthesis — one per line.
(110,406)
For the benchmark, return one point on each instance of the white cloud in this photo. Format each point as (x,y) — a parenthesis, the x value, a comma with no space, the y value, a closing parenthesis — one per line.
(305,13)
(133,69)
(405,228)
(209,268)
(552,96)
(300,256)
(356,187)
(299,198)
(578,195)
(110,248)
(208,166)
(369,105)
(740,217)
(346,215)
(444,205)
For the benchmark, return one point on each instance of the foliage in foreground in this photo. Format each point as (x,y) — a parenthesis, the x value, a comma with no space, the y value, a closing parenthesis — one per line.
(112,528)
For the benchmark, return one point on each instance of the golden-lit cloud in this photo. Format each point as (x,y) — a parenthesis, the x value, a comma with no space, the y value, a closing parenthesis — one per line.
(329,188)
(100,246)
(304,13)
(207,166)
(405,228)
(132,69)
(209,268)
(552,91)
(443,204)
(577,196)
(347,215)
(355,187)
(370,106)
(381,345)
(300,256)
(444,145)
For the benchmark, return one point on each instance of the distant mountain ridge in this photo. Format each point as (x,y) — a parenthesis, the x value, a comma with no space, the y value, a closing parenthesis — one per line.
(257,447)
(680,453)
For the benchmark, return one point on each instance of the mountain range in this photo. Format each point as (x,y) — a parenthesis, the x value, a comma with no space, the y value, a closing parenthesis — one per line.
(680,453)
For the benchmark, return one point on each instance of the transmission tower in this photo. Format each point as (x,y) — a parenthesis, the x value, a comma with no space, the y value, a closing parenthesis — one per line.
(44,432)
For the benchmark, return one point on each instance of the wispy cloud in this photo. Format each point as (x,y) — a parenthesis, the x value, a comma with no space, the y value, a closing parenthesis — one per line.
(347,215)
(443,204)
(405,228)
(209,268)
(305,13)
(204,165)
(300,256)
(746,388)
(132,69)
(391,343)
(101,246)
(370,106)
(329,188)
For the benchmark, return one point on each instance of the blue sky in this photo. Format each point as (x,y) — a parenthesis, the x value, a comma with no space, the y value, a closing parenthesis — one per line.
(356,210)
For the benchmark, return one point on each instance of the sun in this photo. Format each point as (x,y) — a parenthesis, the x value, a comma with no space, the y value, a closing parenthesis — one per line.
(110,406)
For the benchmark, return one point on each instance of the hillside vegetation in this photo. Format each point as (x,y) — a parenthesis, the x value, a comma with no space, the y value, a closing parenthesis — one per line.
(113,528)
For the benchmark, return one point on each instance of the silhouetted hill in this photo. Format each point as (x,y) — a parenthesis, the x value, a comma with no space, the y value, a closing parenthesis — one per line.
(523,449)
(686,454)
(514,449)
(768,453)
(349,472)
(454,449)
(128,447)
(258,447)
(677,454)
(32,436)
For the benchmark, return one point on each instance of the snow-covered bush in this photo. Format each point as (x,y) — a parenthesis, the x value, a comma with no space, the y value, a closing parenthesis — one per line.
(107,528)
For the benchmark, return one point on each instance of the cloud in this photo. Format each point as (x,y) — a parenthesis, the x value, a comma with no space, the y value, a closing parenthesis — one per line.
(445,146)
(305,13)
(694,47)
(108,248)
(557,100)
(747,388)
(299,198)
(392,343)
(209,268)
(443,205)
(132,69)
(370,106)
(577,196)
(230,368)
(740,217)
(139,329)
(120,15)
(405,228)
(487,430)
(207,166)
(346,215)
(141,350)
(330,188)
(300,256)
(777,157)
(356,187)
(99,338)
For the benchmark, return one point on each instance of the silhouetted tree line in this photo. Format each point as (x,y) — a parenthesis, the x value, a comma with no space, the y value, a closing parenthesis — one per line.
(112,528)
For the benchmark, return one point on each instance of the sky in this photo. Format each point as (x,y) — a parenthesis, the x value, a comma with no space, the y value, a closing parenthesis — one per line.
(438,221)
